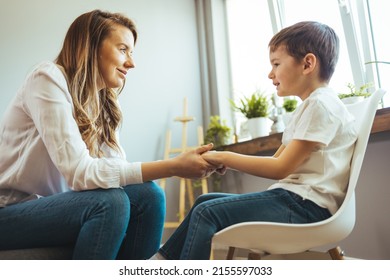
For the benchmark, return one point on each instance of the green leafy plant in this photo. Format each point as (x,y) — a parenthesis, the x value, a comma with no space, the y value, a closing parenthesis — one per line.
(255,106)
(217,132)
(290,105)
(353,91)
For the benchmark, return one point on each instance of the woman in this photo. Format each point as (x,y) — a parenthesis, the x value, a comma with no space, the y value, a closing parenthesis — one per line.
(59,143)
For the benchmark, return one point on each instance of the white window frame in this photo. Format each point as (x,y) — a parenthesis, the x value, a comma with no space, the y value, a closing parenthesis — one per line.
(215,57)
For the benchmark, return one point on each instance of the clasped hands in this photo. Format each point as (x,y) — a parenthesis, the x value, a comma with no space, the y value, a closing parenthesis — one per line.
(200,162)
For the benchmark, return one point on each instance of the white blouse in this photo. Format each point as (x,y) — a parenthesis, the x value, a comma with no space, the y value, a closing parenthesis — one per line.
(41,148)
(323,178)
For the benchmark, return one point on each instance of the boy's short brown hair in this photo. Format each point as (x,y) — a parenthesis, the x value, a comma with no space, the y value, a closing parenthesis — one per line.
(310,37)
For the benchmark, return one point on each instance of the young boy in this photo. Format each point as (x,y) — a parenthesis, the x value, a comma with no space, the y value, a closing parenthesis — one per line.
(312,164)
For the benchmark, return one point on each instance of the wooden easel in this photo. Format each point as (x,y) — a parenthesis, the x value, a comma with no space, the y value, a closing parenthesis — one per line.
(183,182)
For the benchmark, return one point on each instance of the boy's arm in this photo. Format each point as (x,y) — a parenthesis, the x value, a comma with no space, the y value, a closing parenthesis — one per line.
(279,151)
(279,166)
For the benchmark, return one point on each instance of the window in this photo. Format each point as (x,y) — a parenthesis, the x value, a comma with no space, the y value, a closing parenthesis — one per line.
(326,12)
(380,20)
(250,30)
(363,24)
(249,33)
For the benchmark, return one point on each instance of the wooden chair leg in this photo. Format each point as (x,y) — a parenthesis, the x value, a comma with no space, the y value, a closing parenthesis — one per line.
(212,254)
(254,256)
(230,253)
(336,253)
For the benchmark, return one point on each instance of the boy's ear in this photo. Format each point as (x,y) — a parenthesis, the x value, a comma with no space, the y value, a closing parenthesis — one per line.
(309,63)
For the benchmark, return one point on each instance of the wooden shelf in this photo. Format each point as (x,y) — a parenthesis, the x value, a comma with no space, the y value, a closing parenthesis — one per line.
(381,121)
(272,142)
(255,146)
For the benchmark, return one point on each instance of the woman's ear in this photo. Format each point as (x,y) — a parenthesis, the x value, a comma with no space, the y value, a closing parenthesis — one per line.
(309,63)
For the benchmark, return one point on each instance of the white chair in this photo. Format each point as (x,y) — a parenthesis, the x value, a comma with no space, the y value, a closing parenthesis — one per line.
(280,238)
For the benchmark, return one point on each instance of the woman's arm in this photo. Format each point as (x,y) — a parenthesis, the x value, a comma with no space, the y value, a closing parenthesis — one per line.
(187,165)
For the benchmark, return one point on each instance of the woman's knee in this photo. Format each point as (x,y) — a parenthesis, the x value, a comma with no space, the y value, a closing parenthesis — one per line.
(114,201)
(155,193)
(147,195)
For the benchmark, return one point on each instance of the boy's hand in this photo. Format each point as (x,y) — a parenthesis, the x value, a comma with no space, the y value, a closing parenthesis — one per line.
(213,157)
(191,164)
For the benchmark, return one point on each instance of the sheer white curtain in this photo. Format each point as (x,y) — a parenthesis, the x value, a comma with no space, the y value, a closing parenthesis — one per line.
(214,59)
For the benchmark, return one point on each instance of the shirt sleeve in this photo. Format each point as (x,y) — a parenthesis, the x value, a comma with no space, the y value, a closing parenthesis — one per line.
(316,124)
(49,105)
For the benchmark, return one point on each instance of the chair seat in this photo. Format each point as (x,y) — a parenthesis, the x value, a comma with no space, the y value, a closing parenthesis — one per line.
(282,238)
(50,253)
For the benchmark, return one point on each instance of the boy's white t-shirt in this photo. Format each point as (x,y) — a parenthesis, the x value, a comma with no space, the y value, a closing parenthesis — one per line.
(323,178)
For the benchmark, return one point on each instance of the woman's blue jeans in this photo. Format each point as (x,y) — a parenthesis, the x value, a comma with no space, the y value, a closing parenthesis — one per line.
(216,211)
(124,223)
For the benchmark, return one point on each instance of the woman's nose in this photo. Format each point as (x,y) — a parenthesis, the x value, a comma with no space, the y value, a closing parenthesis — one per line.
(129,63)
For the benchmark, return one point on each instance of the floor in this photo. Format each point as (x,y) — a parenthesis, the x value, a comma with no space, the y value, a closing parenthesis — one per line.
(220,253)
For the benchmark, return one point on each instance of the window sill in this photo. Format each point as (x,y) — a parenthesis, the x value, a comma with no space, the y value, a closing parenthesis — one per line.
(272,142)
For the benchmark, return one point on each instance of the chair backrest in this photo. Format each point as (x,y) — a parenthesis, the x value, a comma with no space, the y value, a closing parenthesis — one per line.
(364,113)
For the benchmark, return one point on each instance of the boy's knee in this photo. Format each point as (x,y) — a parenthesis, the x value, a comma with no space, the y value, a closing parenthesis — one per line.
(206,197)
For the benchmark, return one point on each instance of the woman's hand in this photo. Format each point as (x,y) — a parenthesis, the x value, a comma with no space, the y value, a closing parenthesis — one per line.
(191,164)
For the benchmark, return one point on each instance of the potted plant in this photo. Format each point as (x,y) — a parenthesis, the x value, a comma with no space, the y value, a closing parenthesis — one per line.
(217,132)
(289,105)
(255,109)
(355,94)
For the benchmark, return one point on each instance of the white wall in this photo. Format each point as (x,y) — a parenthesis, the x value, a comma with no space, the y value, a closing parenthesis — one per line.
(370,237)
(166,57)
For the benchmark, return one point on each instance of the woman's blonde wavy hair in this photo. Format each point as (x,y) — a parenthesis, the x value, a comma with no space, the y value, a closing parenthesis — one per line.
(97,113)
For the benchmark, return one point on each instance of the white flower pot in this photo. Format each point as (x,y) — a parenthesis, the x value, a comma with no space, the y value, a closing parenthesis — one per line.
(259,127)
(352,99)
